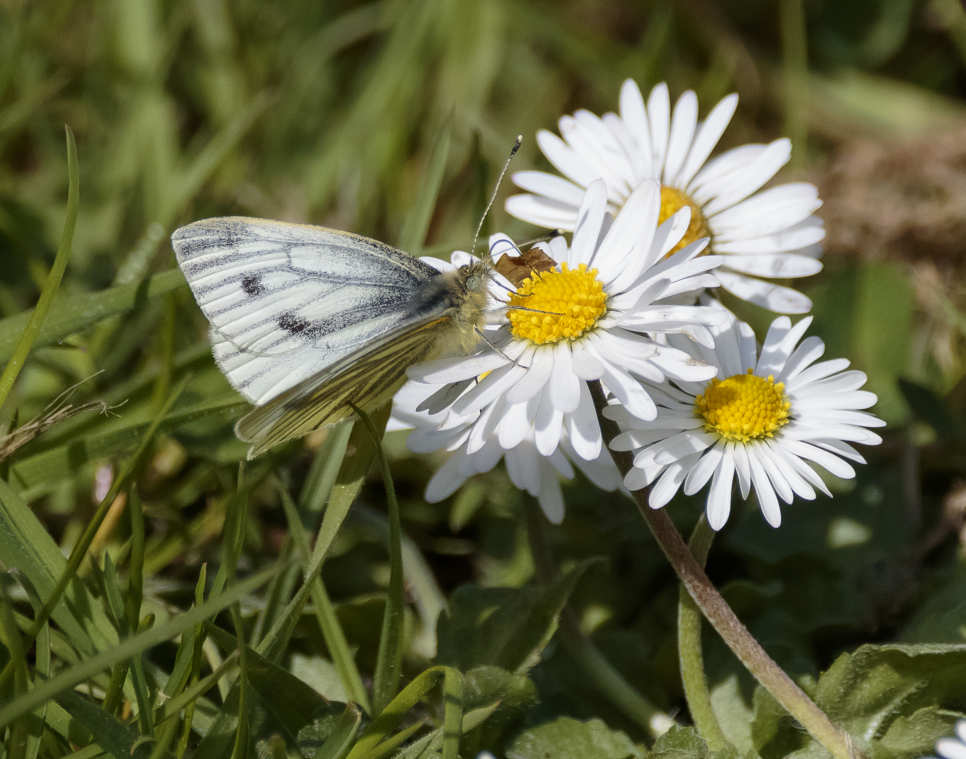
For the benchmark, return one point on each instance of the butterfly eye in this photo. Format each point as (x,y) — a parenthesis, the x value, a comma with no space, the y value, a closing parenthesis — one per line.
(473,282)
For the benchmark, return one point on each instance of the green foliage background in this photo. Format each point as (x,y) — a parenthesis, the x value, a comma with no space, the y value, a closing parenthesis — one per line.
(392,119)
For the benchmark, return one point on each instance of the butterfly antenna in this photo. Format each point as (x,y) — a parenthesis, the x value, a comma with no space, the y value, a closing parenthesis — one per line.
(506,166)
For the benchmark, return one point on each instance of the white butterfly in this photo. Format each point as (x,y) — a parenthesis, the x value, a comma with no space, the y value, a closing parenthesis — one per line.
(306,319)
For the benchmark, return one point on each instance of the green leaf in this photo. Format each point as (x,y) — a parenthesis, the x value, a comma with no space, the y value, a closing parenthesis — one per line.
(109,734)
(916,735)
(870,690)
(681,743)
(483,686)
(566,738)
(503,627)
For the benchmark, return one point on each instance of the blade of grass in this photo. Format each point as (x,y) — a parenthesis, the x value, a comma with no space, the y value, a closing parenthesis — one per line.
(389,746)
(322,476)
(452,713)
(80,548)
(332,632)
(418,577)
(75,313)
(42,662)
(352,474)
(413,234)
(145,713)
(389,659)
(339,740)
(26,545)
(128,648)
(233,550)
(395,711)
(16,746)
(189,709)
(185,700)
(64,459)
(110,735)
(30,332)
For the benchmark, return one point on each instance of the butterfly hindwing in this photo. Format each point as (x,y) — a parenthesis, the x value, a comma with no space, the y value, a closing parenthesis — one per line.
(368,378)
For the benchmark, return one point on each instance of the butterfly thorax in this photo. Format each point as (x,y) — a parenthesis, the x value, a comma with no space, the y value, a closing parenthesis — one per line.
(460,295)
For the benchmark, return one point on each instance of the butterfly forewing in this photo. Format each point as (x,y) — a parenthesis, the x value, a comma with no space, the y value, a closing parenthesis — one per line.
(367,378)
(286,301)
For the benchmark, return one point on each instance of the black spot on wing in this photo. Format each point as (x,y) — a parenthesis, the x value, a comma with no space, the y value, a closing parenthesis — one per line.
(293,323)
(252,285)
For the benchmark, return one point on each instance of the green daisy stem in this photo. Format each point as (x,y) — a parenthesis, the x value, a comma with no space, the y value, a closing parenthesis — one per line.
(690,654)
(707,598)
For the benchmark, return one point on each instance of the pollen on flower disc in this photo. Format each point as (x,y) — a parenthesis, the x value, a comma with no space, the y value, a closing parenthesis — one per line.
(744,407)
(557,305)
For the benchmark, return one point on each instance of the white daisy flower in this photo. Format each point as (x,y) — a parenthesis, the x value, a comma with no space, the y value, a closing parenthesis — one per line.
(762,233)
(478,442)
(765,418)
(584,320)
(953,748)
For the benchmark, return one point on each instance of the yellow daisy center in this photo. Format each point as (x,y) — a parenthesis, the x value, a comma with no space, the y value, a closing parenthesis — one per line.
(672,201)
(744,407)
(551,306)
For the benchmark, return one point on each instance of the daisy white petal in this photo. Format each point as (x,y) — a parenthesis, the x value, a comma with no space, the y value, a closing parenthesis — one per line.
(745,425)
(770,233)
(634,117)
(659,121)
(748,179)
(777,298)
(664,489)
(684,123)
(574,320)
(955,747)
(707,138)
(719,496)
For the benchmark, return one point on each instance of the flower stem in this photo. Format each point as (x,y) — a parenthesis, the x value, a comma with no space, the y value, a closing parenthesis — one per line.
(690,654)
(720,615)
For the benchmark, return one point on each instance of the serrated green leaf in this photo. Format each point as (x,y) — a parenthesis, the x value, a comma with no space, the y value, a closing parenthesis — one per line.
(681,743)
(916,735)
(566,738)
(865,692)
